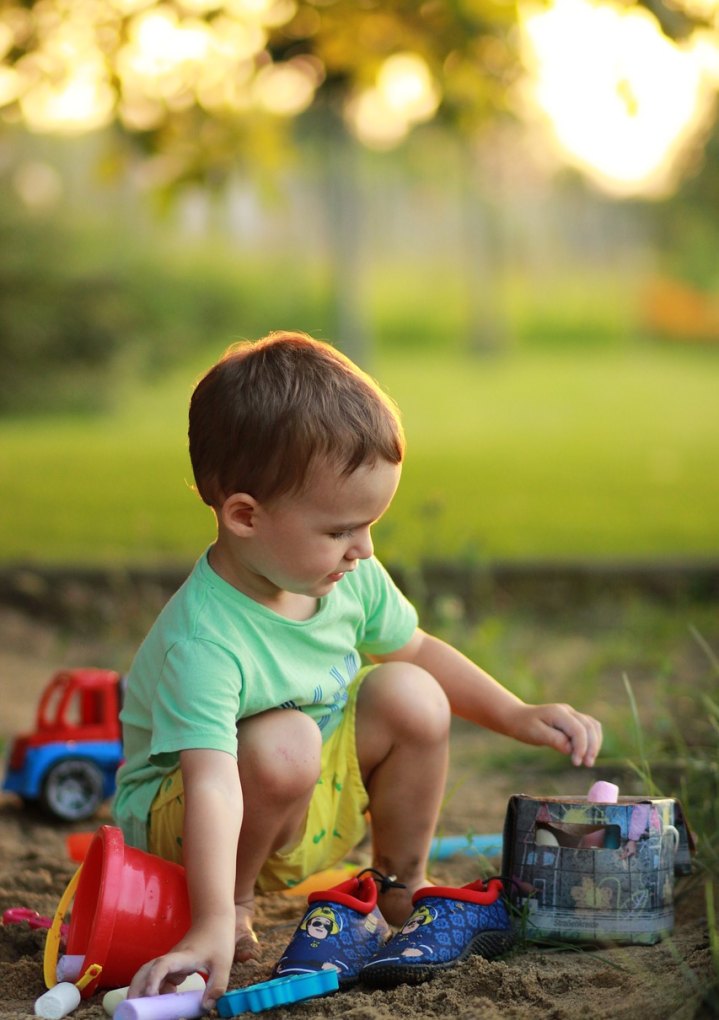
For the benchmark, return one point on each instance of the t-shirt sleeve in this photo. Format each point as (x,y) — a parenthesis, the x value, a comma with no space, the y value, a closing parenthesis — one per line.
(390,619)
(196,702)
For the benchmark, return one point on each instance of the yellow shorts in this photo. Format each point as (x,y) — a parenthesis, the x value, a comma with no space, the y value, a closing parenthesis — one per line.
(335,821)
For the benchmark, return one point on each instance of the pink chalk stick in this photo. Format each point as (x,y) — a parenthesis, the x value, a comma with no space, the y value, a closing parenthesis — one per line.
(603,793)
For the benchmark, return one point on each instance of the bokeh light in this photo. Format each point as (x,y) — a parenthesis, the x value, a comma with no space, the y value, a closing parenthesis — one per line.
(404,94)
(623,101)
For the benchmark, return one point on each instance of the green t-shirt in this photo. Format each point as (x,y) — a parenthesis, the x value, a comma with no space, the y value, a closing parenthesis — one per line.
(215,656)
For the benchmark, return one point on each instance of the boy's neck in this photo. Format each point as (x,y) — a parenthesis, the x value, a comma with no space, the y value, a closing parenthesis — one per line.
(235,572)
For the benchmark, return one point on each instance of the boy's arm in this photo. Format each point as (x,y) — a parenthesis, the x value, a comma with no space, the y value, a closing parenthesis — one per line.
(474,695)
(213,814)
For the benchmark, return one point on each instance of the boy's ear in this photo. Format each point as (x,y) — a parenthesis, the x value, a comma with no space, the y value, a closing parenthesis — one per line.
(237,514)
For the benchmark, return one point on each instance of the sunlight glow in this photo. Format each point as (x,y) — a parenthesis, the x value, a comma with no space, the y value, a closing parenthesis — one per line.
(10,85)
(175,62)
(64,85)
(707,9)
(38,184)
(405,94)
(159,47)
(287,89)
(624,102)
(80,103)
(169,55)
(263,12)
(407,86)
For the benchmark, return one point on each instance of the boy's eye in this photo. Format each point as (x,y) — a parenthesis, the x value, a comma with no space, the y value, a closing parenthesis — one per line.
(341,534)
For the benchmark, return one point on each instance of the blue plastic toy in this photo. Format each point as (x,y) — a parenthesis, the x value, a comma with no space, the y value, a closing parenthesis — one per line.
(282,991)
(444,847)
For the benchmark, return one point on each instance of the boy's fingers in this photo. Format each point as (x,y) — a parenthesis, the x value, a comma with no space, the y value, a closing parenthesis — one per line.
(217,982)
(582,735)
(595,741)
(159,976)
(588,740)
(580,741)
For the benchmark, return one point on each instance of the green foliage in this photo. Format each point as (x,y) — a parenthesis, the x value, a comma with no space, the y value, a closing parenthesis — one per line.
(684,762)
(60,325)
(85,312)
(685,237)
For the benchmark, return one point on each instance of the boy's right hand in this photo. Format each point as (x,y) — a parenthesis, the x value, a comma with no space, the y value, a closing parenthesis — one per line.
(208,947)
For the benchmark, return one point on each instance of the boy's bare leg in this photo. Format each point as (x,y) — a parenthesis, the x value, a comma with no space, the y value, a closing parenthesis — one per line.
(402,728)
(278,754)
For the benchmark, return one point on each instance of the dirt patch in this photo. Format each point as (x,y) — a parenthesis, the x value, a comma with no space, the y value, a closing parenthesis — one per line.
(661,982)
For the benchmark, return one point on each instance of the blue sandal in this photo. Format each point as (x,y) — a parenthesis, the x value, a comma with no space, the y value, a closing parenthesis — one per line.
(446,926)
(342,930)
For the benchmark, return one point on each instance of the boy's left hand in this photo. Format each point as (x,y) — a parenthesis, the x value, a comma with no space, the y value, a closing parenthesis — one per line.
(560,727)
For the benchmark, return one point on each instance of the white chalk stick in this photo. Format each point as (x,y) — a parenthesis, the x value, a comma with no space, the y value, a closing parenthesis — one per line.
(543,837)
(111,1000)
(58,1001)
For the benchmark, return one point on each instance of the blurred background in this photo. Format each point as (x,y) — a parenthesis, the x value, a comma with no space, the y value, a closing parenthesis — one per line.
(508,213)
(505,212)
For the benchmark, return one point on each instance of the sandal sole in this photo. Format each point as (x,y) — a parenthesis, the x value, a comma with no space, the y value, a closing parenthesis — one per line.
(488,944)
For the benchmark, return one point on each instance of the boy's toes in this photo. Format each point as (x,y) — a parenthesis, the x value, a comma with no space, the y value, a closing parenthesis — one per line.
(247,947)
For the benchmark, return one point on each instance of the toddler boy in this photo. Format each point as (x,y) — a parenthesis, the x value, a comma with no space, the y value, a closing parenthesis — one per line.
(255,739)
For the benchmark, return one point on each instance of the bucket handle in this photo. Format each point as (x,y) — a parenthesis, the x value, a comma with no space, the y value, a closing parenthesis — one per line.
(52,942)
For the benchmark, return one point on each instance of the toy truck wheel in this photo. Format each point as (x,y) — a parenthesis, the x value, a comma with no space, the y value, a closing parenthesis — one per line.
(72,789)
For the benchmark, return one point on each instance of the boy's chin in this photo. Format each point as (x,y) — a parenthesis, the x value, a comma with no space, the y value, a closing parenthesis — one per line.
(327,584)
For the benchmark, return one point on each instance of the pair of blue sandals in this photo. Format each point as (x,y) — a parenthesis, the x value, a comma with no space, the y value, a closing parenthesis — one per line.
(343,930)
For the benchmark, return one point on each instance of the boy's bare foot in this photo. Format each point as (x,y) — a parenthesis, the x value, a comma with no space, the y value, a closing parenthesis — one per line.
(247,946)
(396,904)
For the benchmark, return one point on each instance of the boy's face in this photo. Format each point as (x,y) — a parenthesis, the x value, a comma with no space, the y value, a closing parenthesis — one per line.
(306,543)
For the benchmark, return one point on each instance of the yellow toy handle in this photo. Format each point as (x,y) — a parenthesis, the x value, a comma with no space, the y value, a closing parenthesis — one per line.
(52,942)
(92,972)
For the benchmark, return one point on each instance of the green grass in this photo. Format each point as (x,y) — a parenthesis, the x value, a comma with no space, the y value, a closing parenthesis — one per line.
(550,455)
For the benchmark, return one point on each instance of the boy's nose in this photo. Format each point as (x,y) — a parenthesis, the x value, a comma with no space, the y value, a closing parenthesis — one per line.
(362,547)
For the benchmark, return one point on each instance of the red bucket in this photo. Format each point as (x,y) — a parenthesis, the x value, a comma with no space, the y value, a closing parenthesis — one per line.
(129,907)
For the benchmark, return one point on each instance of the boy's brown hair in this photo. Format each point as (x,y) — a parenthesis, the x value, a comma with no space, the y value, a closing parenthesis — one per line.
(268,410)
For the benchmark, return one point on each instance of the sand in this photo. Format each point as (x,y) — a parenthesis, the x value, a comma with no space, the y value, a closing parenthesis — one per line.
(661,982)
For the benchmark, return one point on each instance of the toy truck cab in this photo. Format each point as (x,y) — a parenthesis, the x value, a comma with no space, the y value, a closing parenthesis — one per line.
(68,762)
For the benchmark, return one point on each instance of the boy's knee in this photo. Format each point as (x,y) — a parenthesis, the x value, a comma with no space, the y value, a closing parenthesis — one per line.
(409,700)
(279,752)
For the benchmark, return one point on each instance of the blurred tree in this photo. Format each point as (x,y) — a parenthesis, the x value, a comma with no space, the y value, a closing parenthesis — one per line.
(203,87)
(208,82)
(686,235)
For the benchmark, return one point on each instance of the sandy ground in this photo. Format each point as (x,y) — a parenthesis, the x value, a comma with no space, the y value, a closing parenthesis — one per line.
(661,982)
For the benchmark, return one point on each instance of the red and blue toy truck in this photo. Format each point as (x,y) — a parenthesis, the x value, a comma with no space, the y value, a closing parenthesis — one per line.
(68,763)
